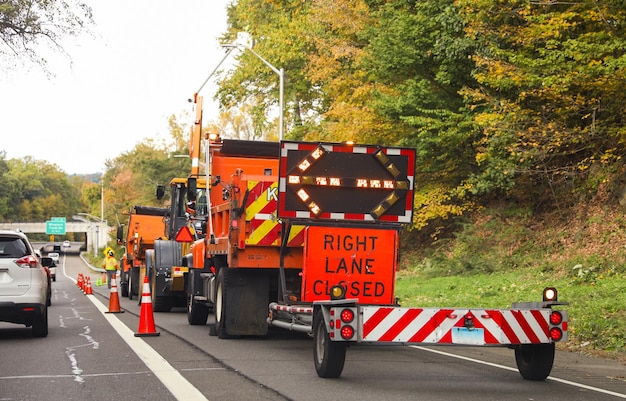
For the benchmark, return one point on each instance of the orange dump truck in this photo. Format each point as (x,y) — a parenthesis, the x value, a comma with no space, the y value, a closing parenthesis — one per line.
(145,225)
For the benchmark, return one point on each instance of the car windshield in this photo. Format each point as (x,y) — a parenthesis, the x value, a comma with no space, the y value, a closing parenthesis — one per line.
(12,248)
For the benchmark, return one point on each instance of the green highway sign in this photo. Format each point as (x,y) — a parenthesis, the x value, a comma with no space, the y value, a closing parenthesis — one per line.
(55,227)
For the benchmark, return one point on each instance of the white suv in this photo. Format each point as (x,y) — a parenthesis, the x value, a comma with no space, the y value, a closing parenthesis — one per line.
(24,285)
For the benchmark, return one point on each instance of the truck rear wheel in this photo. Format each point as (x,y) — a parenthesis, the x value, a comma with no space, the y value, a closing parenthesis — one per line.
(329,356)
(220,305)
(534,361)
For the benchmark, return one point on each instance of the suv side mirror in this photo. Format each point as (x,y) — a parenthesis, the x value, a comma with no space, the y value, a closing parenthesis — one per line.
(46,261)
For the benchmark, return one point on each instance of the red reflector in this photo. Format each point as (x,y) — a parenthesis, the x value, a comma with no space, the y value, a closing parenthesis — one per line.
(556,334)
(184,235)
(556,317)
(30,309)
(347,315)
(347,332)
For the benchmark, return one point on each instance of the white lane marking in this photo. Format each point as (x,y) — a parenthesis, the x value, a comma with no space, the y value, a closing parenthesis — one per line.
(180,388)
(70,352)
(147,372)
(495,365)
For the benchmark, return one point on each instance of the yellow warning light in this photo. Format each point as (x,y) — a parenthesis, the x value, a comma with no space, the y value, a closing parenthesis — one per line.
(382,157)
(378,211)
(337,292)
(304,165)
(314,208)
(321,181)
(318,152)
(303,195)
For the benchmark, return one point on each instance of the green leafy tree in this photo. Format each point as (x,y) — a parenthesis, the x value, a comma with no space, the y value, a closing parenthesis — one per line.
(551,94)
(35,190)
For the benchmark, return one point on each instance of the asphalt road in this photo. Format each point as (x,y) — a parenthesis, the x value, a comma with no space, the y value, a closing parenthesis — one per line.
(87,356)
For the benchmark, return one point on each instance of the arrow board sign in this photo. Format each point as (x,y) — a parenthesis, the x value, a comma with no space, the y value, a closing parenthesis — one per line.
(364,183)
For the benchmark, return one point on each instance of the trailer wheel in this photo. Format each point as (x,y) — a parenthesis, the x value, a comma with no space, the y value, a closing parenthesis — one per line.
(534,361)
(220,305)
(329,356)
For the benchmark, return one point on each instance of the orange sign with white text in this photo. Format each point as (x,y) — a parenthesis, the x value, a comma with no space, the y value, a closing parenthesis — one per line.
(363,260)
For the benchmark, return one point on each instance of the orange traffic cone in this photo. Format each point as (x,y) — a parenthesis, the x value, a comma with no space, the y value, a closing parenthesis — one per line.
(79,282)
(146,316)
(114,299)
(88,290)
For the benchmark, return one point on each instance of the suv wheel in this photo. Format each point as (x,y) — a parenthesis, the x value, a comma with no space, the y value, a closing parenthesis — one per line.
(40,324)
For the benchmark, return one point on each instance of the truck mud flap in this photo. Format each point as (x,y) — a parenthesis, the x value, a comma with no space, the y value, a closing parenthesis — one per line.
(247,298)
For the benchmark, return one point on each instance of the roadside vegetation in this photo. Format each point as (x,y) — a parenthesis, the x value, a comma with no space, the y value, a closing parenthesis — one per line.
(516,110)
(503,256)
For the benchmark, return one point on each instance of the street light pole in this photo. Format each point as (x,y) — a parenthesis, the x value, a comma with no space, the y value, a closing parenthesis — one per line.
(281,90)
(102,200)
(245,41)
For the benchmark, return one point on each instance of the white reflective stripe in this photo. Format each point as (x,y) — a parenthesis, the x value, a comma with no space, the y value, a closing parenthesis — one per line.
(264,216)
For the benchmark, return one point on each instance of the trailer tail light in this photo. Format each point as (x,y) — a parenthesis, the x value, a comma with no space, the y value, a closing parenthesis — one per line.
(556,334)
(347,315)
(342,323)
(556,318)
(558,325)
(347,332)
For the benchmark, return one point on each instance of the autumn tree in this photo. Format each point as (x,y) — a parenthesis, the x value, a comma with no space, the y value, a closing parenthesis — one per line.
(551,94)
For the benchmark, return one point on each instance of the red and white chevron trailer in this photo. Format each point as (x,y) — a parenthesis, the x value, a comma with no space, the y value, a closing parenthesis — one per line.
(305,236)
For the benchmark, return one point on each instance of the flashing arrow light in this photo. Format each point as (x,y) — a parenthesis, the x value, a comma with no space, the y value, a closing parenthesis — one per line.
(339,181)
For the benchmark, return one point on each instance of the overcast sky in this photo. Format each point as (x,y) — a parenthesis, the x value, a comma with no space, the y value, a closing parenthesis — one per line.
(146,59)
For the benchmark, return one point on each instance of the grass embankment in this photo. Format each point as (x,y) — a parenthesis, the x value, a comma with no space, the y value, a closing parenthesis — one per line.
(496,261)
